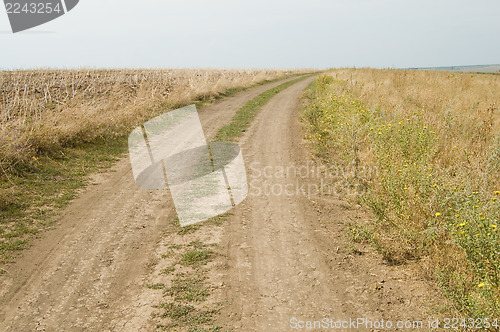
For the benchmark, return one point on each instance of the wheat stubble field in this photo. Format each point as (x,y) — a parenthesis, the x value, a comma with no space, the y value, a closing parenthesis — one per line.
(84,249)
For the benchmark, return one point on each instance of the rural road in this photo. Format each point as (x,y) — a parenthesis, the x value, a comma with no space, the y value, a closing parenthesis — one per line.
(283,254)
(275,269)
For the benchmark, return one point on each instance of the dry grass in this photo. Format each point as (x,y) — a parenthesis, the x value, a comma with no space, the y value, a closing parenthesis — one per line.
(434,138)
(43,110)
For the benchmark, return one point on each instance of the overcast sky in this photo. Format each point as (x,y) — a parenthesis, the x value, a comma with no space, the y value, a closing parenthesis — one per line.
(259,33)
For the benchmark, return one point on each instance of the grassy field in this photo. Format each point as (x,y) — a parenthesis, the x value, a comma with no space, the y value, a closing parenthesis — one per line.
(431,141)
(56,127)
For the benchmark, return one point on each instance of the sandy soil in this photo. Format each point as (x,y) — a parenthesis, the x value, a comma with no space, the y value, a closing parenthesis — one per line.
(283,256)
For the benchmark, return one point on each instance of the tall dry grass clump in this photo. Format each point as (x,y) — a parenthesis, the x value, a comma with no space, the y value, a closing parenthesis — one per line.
(434,138)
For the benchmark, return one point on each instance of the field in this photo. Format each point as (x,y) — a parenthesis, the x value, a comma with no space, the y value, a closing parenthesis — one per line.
(43,110)
(432,143)
(56,127)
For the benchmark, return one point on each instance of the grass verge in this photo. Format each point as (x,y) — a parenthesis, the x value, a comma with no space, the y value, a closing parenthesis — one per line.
(433,191)
(35,191)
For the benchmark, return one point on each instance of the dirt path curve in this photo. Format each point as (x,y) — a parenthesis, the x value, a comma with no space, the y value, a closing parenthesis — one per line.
(286,255)
(88,272)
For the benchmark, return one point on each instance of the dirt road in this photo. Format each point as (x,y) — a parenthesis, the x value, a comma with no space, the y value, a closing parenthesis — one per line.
(284,254)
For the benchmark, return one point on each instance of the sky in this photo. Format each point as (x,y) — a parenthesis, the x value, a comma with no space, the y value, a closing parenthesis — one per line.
(259,34)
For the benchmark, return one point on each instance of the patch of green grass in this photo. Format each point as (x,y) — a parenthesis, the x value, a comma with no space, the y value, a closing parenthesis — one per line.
(196,257)
(168,270)
(211,329)
(197,244)
(244,116)
(217,221)
(191,289)
(182,315)
(177,311)
(358,233)
(156,286)
(188,229)
(169,254)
